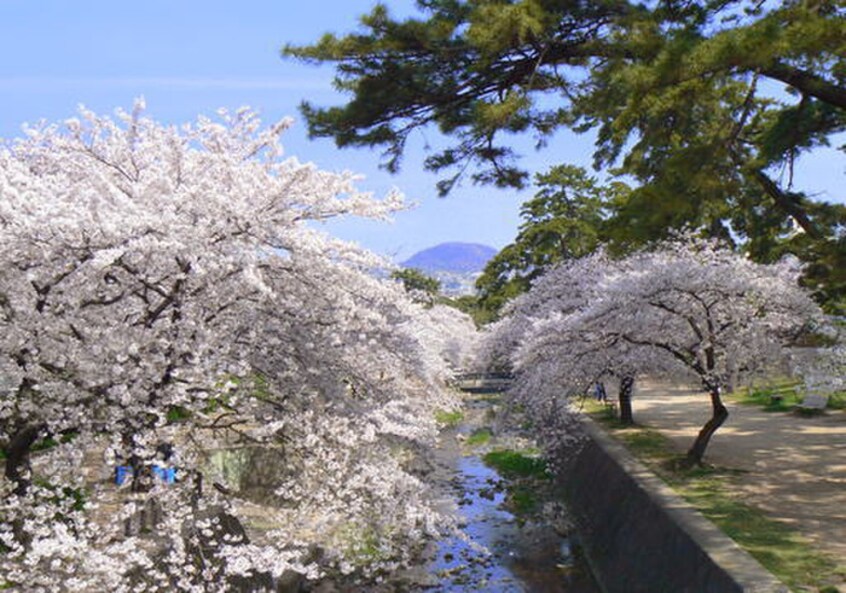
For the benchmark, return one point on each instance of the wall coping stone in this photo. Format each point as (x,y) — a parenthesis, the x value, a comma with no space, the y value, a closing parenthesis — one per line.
(741,567)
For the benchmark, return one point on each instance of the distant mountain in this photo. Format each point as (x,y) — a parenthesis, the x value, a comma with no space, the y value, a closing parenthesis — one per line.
(456,265)
(457,258)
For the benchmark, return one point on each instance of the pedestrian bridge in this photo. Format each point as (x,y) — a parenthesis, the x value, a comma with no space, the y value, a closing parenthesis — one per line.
(483,382)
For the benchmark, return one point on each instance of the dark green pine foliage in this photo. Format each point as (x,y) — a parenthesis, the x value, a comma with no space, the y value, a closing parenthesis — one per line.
(704,106)
(566,219)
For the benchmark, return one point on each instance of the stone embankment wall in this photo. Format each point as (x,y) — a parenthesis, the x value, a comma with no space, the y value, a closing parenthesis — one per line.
(640,537)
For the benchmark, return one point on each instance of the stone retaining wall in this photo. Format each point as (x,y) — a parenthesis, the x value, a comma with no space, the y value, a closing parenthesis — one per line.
(640,537)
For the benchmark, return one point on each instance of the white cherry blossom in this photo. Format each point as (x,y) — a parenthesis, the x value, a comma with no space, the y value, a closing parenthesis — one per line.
(166,284)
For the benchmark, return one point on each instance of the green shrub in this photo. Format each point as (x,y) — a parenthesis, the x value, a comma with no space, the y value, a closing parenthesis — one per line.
(837,401)
(177,414)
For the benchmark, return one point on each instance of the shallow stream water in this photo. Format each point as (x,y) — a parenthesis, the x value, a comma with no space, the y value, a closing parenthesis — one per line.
(500,552)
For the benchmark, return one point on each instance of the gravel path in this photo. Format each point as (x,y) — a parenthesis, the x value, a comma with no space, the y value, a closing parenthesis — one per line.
(796,466)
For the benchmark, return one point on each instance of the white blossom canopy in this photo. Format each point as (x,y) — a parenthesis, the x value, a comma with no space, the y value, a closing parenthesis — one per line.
(689,309)
(163,283)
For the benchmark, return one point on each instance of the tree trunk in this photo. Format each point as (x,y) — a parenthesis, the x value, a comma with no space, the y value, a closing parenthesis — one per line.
(17,456)
(719,413)
(625,400)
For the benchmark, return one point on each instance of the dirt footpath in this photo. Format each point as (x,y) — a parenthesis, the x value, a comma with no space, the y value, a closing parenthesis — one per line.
(796,465)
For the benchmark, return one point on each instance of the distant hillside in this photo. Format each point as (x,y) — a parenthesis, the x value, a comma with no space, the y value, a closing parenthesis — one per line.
(458,258)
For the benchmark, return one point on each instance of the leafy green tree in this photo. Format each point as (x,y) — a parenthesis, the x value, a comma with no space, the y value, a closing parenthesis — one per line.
(472,306)
(705,105)
(422,288)
(565,220)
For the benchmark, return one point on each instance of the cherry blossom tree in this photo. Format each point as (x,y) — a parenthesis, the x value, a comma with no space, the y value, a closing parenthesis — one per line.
(711,313)
(825,372)
(562,292)
(454,335)
(163,284)
(689,309)
(565,288)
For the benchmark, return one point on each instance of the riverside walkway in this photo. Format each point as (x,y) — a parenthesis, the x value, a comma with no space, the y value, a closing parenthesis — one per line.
(794,467)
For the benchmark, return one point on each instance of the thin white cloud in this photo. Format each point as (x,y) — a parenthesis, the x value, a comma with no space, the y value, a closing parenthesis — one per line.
(47,83)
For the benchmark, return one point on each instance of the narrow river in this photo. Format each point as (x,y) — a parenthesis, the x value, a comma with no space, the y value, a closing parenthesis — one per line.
(514,533)
(504,550)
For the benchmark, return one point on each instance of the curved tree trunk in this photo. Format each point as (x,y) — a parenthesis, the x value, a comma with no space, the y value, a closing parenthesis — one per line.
(719,413)
(17,456)
(625,400)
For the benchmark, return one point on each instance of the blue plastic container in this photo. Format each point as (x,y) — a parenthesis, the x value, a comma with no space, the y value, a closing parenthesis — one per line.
(122,473)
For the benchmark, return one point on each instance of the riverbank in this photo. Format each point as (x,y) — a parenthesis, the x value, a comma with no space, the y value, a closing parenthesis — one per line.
(775,481)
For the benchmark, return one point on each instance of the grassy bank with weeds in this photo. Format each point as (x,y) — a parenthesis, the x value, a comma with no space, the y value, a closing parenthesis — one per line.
(480,436)
(781,395)
(527,480)
(778,547)
(449,419)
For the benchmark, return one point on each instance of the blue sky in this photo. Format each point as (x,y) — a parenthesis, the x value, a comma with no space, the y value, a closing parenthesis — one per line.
(188,57)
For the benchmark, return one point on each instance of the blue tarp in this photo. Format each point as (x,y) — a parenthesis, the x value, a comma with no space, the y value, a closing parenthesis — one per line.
(165,474)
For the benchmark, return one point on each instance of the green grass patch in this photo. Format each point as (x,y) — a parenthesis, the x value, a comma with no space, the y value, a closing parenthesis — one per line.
(522,500)
(494,397)
(777,546)
(783,395)
(779,396)
(449,419)
(361,544)
(603,412)
(514,464)
(63,495)
(49,442)
(260,387)
(254,385)
(527,480)
(645,442)
(480,436)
